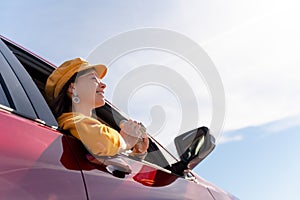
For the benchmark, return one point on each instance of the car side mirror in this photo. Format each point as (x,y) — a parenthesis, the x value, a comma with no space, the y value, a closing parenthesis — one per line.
(192,147)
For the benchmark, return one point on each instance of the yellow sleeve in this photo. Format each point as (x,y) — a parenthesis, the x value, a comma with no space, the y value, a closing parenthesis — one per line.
(98,138)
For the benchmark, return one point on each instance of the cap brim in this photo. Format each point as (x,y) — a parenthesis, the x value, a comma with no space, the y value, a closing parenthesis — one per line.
(101,70)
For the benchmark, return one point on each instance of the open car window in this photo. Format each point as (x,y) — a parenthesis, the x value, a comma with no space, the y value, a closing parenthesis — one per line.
(157,154)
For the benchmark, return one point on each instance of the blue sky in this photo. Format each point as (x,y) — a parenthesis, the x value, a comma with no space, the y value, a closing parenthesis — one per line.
(254,46)
(262,165)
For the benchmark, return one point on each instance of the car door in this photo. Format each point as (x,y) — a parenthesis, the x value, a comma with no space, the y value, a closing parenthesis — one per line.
(36,161)
(141,180)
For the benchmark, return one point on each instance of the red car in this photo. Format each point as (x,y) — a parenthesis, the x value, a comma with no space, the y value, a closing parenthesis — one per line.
(40,161)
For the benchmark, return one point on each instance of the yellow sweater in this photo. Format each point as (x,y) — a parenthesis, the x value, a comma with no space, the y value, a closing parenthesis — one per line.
(98,138)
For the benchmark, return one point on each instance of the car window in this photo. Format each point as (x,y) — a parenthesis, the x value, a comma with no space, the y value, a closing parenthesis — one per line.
(30,73)
(3,97)
(13,90)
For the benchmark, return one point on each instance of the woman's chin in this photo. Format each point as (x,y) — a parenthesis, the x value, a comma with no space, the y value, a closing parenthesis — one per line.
(99,103)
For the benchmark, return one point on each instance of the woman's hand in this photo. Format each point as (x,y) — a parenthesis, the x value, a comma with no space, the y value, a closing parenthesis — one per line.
(131,131)
(142,145)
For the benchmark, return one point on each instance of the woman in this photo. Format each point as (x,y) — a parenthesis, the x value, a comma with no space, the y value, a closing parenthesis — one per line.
(74,89)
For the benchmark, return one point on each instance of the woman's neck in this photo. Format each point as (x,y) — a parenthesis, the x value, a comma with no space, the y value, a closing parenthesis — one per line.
(82,109)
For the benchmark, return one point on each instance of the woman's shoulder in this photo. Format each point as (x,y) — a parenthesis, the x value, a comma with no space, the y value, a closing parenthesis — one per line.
(69,115)
(74,117)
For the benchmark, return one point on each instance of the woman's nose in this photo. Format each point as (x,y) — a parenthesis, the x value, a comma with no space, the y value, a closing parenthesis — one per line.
(102,85)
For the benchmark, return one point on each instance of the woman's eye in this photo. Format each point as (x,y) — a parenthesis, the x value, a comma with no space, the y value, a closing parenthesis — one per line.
(95,79)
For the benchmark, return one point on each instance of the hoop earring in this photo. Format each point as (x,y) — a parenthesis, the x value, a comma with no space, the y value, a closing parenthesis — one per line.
(75,97)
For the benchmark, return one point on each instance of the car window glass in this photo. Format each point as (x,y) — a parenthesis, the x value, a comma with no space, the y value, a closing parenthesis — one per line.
(3,99)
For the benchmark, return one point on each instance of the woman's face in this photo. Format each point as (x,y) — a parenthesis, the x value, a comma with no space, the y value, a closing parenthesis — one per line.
(90,89)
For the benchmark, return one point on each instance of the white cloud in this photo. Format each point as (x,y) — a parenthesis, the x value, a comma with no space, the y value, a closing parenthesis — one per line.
(279,126)
(282,126)
(259,64)
(226,139)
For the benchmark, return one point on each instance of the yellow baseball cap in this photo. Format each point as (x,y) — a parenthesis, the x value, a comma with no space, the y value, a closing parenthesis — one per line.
(65,71)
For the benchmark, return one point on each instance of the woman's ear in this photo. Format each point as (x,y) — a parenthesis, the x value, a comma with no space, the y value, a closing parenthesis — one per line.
(70,89)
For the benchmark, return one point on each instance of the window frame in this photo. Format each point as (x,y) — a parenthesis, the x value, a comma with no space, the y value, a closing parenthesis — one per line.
(25,94)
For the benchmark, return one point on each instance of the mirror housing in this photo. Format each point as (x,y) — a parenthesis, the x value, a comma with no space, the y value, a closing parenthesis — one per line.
(192,147)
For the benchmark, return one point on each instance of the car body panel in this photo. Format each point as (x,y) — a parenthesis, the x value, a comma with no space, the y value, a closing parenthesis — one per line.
(30,164)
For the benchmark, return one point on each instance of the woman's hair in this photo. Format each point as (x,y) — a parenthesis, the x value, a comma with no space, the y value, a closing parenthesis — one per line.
(62,103)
